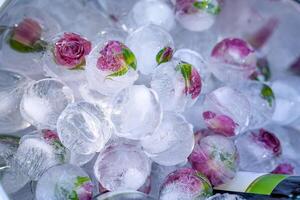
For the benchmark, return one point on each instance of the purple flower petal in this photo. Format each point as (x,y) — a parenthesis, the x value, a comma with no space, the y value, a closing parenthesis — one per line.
(284,168)
(219,123)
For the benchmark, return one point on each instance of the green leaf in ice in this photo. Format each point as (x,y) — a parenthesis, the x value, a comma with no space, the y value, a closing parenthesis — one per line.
(123,70)
(129,58)
(38,46)
(207,6)
(80,180)
(267,94)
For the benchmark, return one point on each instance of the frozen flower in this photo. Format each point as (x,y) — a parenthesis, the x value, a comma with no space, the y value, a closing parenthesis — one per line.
(284,168)
(164,55)
(216,157)
(117,58)
(268,140)
(71,50)
(219,123)
(192,79)
(234,51)
(185,183)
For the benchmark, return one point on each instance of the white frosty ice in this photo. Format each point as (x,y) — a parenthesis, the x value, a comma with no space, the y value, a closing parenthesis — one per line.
(43,101)
(136,112)
(84,128)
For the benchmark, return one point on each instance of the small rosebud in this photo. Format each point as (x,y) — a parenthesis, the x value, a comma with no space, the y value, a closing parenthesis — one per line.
(164,55)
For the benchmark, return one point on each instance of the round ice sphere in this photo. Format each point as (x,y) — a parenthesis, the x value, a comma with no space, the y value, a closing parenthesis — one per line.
(151,12)
(26,60)
(185,184)
(287,94)
(178,85)
(194,58)
(226,111)
(38,152)
(136,112)
(84,128)
(64,182)
(43,101)
(216,157)
(66,58)
(232,60)
(111,67)
(146,42)
(124,195)
(262,103)
(122,166)
(172,142)
(259,150)
(196,15)
(12,86)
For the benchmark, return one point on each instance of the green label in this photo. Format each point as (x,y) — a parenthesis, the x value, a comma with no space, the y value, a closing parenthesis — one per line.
(265,184)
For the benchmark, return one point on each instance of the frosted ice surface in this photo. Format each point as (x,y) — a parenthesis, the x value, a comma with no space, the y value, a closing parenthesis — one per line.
(136,112)
(43,101)
(151,12)
(84,128)
(172,142)
(12,86)
(121,167)
(153,38)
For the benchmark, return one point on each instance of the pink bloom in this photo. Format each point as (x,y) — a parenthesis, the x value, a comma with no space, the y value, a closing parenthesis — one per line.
(50,135)
(85,192)
(268,140)
(111,56)
(185,6)
(194,88)
(27,32)
(71,49)
(188,181)
(233,51)
(284,168)
(219,123)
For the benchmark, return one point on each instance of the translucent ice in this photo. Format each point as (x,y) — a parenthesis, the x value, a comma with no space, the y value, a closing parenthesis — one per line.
(216,157)
(154,38)
(43,101)
(195,16)
(226,111)
(232,60)
(262,102)
(12,86)
(8,147)
(84,128)
(122,166)
(64,182)
(185,184)
(136,112)
(258,150)
(178,85)
(172,142)
(287,96)
(124,195)
(26,63)
(194,58)
(225,197)
(151,12)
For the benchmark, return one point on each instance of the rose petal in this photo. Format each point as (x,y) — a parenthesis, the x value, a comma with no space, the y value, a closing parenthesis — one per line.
(219,123)
(284,168)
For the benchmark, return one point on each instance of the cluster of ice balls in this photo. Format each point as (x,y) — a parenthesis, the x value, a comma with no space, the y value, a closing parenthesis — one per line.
(126,101)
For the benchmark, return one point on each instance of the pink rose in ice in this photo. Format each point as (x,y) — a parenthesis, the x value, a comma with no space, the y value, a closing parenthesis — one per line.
(85,191)
(268,140)
(50,135)
(185,6)
(117,58)
(234,51)
(27,32)
(71,50)
(284,168)
(219,123)
(183,183)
